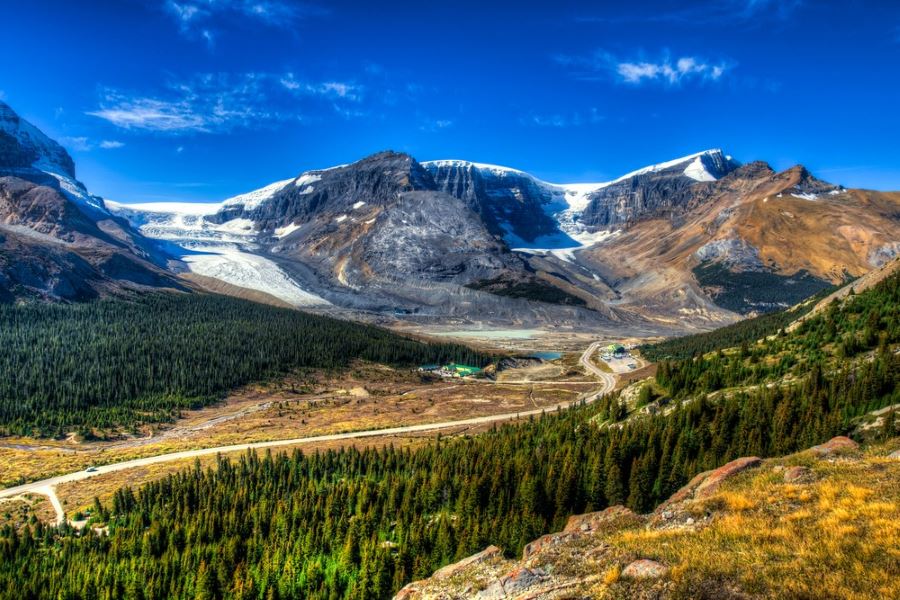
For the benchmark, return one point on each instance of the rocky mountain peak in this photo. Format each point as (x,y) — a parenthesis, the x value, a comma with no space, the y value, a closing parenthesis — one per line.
(801,183)
(405,169)
(24,146)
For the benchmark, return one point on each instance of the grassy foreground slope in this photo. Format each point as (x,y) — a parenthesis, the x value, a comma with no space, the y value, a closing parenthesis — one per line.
(803,526)
(116,363)
(352,524)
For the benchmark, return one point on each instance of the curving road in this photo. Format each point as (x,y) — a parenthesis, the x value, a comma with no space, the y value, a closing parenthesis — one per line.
(47,487)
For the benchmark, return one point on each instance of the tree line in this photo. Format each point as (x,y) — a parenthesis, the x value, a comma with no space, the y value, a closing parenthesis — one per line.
(115,364)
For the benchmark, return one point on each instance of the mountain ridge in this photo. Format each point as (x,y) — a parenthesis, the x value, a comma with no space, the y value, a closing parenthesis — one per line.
(679,245)
(555,233)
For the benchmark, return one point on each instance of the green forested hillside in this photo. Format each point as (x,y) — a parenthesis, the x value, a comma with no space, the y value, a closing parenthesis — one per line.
(747,330)
(116,363)
(353,524)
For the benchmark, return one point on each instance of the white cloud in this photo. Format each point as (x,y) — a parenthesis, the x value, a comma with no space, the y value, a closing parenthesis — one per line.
(151,114)
(332,89)
(664,70)
(79,144)
(575,119)
(111,144)
(432,125)
(549,120)
(750,12)
(276,13)
(183,12)
(211,103)
(336,88)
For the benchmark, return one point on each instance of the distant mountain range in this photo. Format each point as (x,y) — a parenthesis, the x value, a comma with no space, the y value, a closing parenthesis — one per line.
(680,244)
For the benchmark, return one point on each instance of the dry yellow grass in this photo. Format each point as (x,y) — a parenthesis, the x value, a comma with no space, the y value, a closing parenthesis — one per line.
(836,537)
(612,575)
(366,397)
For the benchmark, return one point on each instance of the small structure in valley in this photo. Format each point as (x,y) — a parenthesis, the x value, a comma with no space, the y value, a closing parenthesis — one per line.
(616,351)
(451,370)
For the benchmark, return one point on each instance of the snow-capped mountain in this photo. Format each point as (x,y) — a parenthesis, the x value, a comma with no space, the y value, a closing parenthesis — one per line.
(671,245)
(57,241)
(540,217)
(454,237)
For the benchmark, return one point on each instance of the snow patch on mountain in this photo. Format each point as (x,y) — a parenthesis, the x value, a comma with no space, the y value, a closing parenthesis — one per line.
(697,171)
(307,178)
(286,230)
(75,191)
(806,196)
(562,245)
(251,200)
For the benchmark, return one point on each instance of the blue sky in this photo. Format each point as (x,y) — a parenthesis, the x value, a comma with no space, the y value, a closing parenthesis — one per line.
(203,99)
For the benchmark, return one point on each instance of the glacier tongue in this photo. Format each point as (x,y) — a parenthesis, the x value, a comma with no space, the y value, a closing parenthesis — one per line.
(249,271)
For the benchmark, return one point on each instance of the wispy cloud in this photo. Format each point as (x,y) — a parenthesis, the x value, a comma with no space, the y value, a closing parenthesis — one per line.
(752,12)
(332,89)
(213,103)
(277,13)
(84,144)
(433,125)
(666,70)
(150,114)
(206,19)
(575,119)
(79,143)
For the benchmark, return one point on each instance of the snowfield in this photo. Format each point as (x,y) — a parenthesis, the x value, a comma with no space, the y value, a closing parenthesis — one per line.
(249,271)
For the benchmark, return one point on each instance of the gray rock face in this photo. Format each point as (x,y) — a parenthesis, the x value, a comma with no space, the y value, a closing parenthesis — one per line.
(733,252)
(432,236)
(507,201)
(376,180)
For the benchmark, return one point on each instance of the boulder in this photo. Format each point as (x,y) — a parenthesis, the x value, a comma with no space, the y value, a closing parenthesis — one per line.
(451,570)
(685,492)
(408,591)
(835,445)
(797,475)
(714,480)
(645,569)
(544,542)
(894,454)
(595,520)
(512,584)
